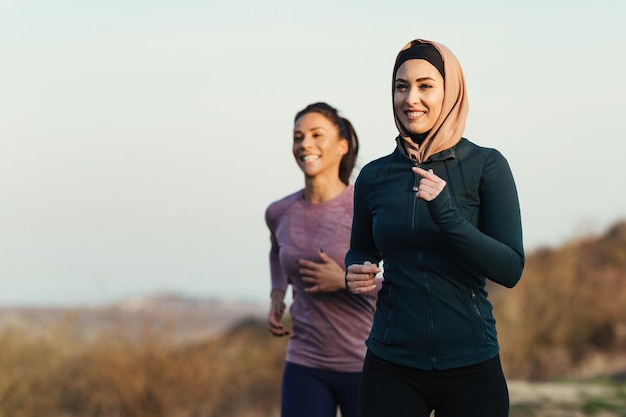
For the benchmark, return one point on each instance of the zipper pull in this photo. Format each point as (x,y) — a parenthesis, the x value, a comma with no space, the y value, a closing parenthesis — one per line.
(416,181)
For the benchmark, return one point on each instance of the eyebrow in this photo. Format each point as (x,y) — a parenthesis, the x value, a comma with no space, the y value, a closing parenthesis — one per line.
(311,129)
(419,79)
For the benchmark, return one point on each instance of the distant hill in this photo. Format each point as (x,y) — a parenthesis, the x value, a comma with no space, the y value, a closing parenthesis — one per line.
(181,318)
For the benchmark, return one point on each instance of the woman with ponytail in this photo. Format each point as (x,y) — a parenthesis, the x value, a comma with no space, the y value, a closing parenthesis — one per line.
(310,234)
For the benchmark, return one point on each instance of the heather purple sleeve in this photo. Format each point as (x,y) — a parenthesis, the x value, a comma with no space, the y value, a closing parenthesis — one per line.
(279,278)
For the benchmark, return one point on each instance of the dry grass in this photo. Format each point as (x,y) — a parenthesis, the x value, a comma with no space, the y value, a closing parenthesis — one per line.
(568,310)
(57,375)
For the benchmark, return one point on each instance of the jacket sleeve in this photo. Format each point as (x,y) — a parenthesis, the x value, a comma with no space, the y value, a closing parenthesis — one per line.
(362,245)
(495,247)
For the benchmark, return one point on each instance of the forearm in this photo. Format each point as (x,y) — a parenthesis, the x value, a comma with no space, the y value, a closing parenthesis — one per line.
(362,245)
(496,251)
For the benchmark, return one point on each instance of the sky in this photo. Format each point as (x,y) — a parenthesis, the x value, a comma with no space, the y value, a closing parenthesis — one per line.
(141,141)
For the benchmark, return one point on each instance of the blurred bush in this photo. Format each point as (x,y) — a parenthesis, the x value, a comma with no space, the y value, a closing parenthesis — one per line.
(59,375)
(567,316)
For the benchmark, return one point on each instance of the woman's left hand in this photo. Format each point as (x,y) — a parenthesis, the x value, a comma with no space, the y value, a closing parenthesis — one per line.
(325,276)
(430,185)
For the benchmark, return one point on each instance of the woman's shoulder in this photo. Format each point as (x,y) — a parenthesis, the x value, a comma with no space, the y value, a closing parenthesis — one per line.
(467,149)
(281,205)
(484,161)
(469,146)
(372,167)
(346,199)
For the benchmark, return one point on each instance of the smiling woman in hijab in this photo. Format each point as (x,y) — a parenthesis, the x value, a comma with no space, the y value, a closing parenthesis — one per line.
(442,214)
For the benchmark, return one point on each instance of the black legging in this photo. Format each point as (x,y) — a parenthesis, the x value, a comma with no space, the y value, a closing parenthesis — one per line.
(388,389)
(312,392)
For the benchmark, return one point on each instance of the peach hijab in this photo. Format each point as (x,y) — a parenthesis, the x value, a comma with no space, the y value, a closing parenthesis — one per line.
(448,128)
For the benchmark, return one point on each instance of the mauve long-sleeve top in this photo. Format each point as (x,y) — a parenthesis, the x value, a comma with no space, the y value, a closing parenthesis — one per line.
(329,329)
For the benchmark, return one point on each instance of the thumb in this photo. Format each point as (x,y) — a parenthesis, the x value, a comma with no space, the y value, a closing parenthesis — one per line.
(323,256)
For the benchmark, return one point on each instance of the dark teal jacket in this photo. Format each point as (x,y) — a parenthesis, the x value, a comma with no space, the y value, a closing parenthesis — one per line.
(433,311)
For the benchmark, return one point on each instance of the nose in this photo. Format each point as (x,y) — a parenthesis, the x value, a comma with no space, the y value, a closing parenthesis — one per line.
(306,142)
(413,95)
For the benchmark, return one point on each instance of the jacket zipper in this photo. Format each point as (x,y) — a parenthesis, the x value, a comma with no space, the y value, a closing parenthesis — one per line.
(415,188)
(388,318)
(431,327)
(431,313)
(481,323)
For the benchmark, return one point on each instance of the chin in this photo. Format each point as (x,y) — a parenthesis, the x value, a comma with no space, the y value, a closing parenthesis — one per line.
(415,130)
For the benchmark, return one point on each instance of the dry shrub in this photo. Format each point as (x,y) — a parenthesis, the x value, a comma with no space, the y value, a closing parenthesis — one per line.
(569,306)
(57,375)
(251,362)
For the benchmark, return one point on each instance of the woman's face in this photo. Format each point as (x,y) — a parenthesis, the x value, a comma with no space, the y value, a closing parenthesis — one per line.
(418,95)
(317,146)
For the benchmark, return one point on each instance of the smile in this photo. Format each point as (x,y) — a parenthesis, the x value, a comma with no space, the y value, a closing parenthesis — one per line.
(309,158)
(415,113)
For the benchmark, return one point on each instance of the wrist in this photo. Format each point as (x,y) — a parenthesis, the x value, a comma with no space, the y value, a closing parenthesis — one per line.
(277,295)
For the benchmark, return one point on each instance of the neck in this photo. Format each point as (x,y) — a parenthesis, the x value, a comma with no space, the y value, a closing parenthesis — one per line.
(318,190)
(418,138)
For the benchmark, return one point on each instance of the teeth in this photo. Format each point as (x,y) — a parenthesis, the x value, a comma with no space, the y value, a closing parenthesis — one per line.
(415,113)
(309,158)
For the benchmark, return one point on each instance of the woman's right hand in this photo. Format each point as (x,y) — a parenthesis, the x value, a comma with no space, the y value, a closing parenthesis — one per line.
(361,279)
(277,310)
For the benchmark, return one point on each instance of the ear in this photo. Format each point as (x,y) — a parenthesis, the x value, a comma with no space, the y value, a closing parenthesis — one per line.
(344,147)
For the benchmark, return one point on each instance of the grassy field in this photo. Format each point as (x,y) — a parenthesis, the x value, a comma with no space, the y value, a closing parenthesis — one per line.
(599,398)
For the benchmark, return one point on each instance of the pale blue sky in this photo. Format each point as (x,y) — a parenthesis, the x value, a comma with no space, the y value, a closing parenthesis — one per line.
(141,141)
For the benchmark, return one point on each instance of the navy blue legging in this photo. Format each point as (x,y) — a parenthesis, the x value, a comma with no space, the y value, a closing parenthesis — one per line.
(389,389)
(311,392)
